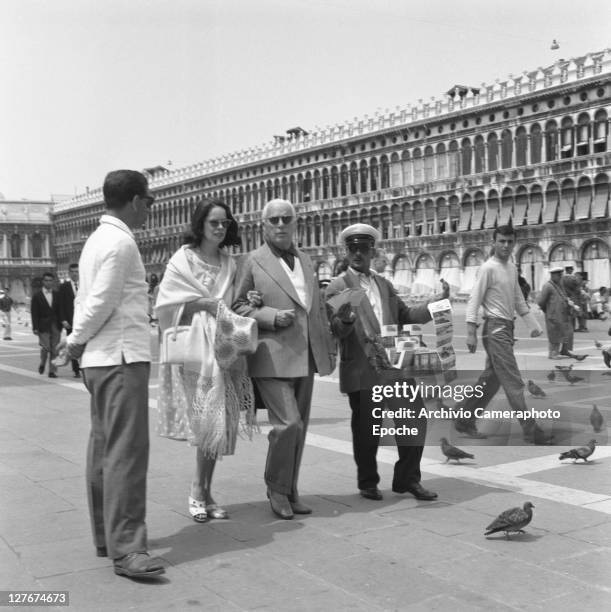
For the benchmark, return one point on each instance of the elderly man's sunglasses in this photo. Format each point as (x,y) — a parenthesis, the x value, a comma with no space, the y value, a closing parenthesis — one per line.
(276,220)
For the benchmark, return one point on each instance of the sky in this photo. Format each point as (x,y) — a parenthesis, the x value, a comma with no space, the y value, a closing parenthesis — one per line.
(89,86)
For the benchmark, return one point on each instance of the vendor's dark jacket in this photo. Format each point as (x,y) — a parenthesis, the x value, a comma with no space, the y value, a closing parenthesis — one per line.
(355,370)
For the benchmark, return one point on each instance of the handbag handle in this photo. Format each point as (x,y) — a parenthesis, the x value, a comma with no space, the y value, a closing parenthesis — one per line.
(176,320)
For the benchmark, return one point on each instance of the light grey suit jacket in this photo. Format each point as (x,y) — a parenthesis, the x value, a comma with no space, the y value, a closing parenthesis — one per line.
(283,352)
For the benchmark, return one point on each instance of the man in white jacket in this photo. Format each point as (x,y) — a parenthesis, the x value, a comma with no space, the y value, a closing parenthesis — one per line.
(110,334)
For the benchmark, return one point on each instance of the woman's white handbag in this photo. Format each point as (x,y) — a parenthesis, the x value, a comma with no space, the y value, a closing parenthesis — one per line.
(175,341)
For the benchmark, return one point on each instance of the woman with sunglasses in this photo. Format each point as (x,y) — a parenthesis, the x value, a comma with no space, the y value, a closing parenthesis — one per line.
(199,400)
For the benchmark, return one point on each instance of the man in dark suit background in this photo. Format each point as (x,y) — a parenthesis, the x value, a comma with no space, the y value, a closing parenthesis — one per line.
(353,326)
(45,322)
(67,293)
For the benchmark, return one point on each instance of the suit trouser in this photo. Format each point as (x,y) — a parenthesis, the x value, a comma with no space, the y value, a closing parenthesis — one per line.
(501,371)
(365,443)
(6,316)
(48,342)
(288,402)
(117,456)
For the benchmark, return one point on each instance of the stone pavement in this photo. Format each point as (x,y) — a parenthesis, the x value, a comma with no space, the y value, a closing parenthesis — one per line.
(351,553)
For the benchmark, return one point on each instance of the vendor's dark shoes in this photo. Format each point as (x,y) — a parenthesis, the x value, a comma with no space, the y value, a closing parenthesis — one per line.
(138,565)
(468,430)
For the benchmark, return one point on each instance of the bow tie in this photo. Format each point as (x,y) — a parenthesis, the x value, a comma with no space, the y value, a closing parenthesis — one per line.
(287,255)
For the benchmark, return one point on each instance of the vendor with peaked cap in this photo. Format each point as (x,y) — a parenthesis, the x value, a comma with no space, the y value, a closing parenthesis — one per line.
(355,320)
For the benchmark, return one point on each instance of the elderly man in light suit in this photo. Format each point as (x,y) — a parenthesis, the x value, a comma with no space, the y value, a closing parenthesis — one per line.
(294,342)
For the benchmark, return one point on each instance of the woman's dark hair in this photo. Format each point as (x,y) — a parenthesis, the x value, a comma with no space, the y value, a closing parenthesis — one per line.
(200,214)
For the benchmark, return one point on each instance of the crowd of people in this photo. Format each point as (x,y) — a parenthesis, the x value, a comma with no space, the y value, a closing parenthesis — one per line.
(107,306)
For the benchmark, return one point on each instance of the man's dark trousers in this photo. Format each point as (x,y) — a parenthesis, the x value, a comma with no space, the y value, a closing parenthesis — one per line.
(365,444)
(117,456)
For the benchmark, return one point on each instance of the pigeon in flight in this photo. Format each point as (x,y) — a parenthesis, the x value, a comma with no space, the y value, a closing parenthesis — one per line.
(596,419)
(452,452)
(583,452)
(535,390)
(514,519)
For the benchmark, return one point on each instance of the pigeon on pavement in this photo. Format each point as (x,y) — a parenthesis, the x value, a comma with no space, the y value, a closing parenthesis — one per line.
(535,390)
(564,368)
(598,344)
(574,379)
(596,419)
(583,452)
(607,357)
(452,452)
(551,376)
(513,519)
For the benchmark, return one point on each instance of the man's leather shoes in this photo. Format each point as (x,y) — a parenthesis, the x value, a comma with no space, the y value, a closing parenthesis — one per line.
(41,369)
(138,565)
(371,493)
(280,504)
(418,491)
(52,375)
(297,507)
(101,551)
(77,375)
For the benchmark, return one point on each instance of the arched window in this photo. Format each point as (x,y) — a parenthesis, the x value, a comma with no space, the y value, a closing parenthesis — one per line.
(493,152)
(600,131)
(466,156)
(384,173)
(535,144)
(506,149)
(406,167)
(373,173)
(16,246)
(453,160)
(567,146)
(354,178)
(521,146)
(364,171)
(429,162)
(551,141)
(418,166)
(343,180)
(325,184)
(36,246)
(480,154)
(442,160)
(334,182)
(396,177)
(583,134)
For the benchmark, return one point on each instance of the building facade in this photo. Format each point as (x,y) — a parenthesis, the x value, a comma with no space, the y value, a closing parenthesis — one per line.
(26,245)
(435,178)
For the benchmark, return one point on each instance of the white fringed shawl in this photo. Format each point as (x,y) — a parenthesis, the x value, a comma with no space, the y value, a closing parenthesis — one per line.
(212,398)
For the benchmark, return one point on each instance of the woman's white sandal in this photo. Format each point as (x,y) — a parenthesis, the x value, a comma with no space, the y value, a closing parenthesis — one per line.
(197,509)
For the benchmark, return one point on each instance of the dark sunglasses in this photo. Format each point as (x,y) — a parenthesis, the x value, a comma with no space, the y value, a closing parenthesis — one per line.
(276,220)
(214,223)
(363,247)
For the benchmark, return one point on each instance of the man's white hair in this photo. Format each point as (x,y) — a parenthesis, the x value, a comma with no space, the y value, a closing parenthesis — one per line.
(265,212)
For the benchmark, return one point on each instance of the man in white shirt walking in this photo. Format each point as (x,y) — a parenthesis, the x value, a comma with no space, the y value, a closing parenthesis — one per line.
(498,292)
(111,332)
